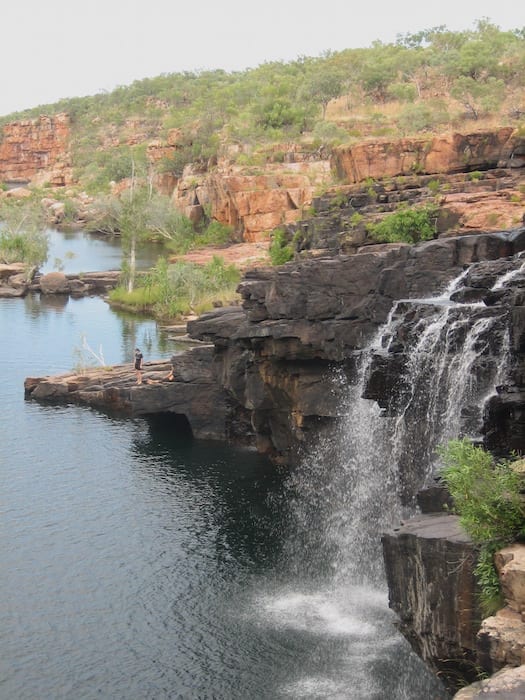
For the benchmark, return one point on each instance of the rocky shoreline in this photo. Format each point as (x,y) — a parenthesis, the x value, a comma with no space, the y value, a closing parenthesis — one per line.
(17,280)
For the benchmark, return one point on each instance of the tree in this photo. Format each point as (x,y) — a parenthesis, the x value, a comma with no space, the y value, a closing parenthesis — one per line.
(22,232)
(478,97)
(133,224)
(324,84)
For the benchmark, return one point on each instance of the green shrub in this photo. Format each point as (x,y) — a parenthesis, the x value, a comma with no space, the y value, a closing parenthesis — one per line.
(404,92)
(422,116)
(71,211)
(406,225)
(487,498)
(215,233)
(280,250)
(356,219)
(328,132)
(434,186)
(22,232)
(169,291)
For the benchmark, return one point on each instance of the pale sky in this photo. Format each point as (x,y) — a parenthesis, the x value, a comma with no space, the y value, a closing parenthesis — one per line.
(65,48)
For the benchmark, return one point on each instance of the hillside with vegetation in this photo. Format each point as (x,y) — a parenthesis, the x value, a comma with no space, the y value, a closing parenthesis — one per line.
(431,81)
(248,123)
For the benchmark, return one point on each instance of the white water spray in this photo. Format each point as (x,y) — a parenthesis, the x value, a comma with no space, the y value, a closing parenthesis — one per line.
(360,479)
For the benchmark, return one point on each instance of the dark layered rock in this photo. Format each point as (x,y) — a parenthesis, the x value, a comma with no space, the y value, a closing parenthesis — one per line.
(429,564)
(279,356)
(194,396)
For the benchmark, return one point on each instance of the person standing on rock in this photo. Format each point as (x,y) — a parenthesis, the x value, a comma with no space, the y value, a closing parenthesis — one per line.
(138,365)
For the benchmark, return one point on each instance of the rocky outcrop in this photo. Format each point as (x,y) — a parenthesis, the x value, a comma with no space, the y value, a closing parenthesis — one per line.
(301,321)
(252,203)
(194,400)
(36,150)
(454,153)
(476,173)
(15,279)
(429,563)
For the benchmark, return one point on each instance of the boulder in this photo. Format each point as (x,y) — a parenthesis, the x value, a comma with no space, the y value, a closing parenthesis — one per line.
(54,283)
(510,563)
(501,641)
(15,279)
(507,684)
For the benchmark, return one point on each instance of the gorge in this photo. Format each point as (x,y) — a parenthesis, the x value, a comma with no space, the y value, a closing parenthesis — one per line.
(296,371)
(351,364)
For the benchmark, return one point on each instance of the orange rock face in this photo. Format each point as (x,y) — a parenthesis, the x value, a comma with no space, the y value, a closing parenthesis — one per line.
(253,204)
(452,153)
(36,150)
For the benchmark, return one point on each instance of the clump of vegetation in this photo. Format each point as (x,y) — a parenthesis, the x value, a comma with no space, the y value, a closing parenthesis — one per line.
(356,219)
(22,232)
(215,233)
(434,186)
(406,225)
(488,498)
(281,251)
(171,291)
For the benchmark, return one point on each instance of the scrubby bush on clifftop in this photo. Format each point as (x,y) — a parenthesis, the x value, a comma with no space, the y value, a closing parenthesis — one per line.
(406,226)
(488,498)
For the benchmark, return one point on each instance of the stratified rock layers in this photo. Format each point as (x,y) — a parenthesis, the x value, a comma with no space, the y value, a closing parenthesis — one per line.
(36,150)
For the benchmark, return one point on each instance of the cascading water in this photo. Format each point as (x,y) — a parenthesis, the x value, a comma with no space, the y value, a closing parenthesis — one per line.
(438,361)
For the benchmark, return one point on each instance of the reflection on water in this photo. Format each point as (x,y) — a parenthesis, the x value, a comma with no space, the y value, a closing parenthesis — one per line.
(79,251)
(69,320)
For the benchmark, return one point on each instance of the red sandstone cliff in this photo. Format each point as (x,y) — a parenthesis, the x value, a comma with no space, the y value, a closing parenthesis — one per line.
(255,200)
(36,150)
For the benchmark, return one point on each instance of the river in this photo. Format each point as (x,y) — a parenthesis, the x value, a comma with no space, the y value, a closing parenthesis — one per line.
(138,563)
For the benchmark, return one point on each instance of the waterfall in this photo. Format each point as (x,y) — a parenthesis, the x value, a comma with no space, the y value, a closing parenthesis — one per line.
(422,380)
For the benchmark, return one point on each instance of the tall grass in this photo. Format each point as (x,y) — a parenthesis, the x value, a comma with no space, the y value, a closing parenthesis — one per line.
(171,291)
